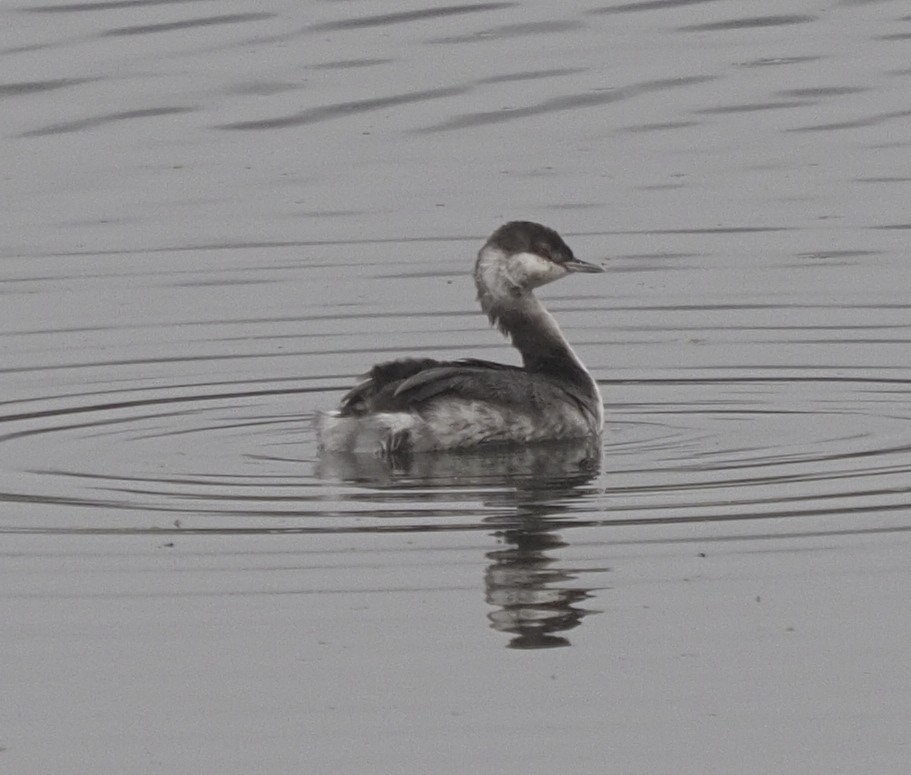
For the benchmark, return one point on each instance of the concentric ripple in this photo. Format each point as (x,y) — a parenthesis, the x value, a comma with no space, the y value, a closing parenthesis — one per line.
(242,457)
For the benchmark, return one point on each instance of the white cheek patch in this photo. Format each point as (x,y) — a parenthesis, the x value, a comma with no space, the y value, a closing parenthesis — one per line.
(492,268)
(529,269)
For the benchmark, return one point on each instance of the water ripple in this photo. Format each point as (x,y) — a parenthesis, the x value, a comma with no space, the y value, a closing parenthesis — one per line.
(670,457)
(103,5)
(747,23)
(111,118)
(402,17)
(856,123)
(185,24)
(340,109)
(511,31)
(34,87)
(649,5)
(568,102)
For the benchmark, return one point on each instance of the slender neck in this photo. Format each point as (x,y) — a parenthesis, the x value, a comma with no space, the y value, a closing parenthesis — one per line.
(534,333)
(520,316)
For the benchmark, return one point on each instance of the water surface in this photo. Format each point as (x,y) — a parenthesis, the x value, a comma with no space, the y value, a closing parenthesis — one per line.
(215,218)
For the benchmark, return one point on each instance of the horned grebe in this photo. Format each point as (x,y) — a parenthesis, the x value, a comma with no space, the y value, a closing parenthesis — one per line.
(421,404)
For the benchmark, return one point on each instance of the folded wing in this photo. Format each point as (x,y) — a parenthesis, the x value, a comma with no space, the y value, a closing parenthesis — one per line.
(411,384)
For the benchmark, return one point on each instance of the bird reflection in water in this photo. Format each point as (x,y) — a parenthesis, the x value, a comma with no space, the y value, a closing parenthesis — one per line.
(533,596)
(529,593)
(533,491)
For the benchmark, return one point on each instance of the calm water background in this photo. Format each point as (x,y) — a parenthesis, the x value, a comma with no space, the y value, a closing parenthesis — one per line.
(217,214)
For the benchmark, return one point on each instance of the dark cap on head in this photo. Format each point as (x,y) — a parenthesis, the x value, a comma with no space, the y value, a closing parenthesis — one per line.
(530,237)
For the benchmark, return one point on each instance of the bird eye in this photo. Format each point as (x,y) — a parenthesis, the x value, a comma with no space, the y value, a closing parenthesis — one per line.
(544,252)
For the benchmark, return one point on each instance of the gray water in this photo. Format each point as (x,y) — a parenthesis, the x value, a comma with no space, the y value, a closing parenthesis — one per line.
(217,215)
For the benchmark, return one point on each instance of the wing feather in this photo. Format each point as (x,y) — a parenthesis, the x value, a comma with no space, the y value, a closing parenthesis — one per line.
(411,383)
(381,381)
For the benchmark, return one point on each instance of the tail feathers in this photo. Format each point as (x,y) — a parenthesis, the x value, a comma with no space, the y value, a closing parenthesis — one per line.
(379,434)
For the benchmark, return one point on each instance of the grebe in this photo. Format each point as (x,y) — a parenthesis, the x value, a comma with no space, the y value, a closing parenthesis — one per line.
(422,404)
